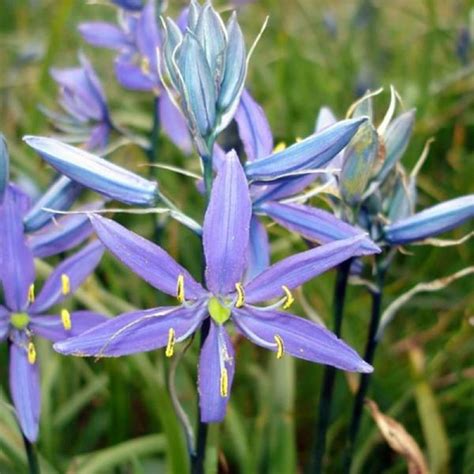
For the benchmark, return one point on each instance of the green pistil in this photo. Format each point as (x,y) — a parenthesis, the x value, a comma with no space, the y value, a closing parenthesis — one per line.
(220,314)
(19,320)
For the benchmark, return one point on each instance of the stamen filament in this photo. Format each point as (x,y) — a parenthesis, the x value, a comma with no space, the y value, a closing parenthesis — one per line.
(65,284)
(180,289)
(31,293)
(31,353)
(240,295)
(280,346)
(289,297)
(171,342)
(66,319)
(224,383)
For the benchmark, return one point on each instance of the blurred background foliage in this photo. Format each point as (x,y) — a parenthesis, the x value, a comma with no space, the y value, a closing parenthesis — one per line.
(116,415)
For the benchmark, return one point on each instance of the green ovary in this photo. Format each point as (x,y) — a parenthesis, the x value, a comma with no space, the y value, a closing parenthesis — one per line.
(19,320)
(219,313)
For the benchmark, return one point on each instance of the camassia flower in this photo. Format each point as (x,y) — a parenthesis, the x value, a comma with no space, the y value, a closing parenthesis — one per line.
(225,297)
(22,316)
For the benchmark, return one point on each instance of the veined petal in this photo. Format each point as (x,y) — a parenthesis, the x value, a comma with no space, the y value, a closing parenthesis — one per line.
(299,268)
(254,129)
(68,276)
(59,196)
(315,224)
(431,221)
(216,373)
(17,271)
(174,124)
(52,327)
(311,153)
(104,35)
(226,227)
(146,259)
(94,172)
(138,331)
(286,333)
(4,167)
(25,390)
(60,236)
(259,249)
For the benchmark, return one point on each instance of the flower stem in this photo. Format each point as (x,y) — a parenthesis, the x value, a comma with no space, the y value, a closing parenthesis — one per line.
(365,379)
(33,466)
(155,133)
(327,388)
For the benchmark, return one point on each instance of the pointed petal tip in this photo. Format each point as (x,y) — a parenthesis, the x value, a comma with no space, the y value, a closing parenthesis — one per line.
(364,368)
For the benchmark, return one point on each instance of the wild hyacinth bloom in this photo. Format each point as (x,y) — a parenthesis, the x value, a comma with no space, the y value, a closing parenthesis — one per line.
(48,236)
(82,97)
(137,40)
(225,297)
(22,316)
(268,197)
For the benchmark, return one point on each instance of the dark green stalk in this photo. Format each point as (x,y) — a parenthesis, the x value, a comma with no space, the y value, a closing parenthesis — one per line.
(369,355)
(33,466)
(155,133)
(327,388)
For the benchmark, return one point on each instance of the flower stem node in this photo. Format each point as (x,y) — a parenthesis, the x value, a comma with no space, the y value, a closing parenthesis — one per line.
(19,320)
(171,342)
(31,353)
(219,313)
(66,319)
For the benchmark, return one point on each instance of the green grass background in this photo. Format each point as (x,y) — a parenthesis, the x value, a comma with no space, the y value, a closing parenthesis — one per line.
(116,416)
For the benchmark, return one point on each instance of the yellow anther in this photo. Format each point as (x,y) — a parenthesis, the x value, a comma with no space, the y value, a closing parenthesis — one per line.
(280,147)
(224,383)
(145,65)
(31,293)
(298,139)
(280,346)
(171,342)
(180,289)
(66,319)
(240,295)
(65,284)
(31,353)
(289,297)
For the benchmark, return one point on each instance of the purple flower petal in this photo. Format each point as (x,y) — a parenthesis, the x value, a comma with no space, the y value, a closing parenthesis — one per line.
(216,373)
(146,259)
(131,76)
(254,129)
(139,331)
(52,327)
(25,390)
(62,234)
(98,138)
(104,35)
(431,221)
(259,249)
(310,153)
(297,269)
(285,333)
(4,322)
(75,270)
(226,227)
(315,224)
(17,272)
(174,124)
(147,35)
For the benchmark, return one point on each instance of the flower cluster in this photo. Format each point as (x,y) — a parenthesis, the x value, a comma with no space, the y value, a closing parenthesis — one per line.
(194,70)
